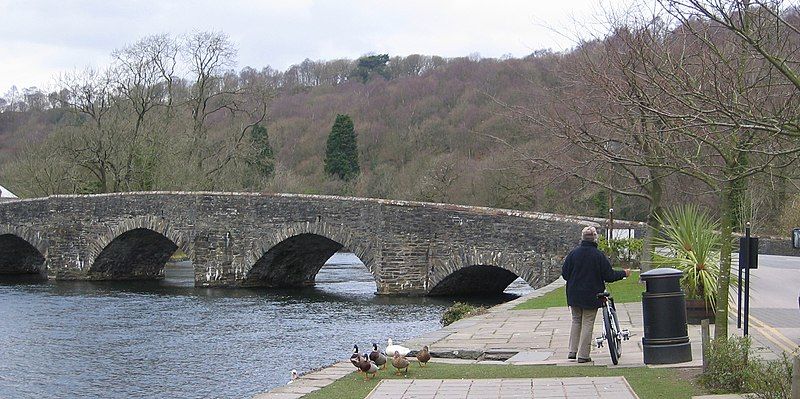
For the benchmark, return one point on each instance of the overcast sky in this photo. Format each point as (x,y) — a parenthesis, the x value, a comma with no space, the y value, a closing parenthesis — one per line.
(39,39)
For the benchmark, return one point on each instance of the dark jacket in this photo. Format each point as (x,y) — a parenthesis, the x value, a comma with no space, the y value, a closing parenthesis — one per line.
(586,270)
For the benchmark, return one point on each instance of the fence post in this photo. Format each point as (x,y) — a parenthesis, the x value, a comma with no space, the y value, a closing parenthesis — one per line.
(706,337)
(796,378)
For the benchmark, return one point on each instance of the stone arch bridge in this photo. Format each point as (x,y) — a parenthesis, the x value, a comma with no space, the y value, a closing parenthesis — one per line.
(282,240)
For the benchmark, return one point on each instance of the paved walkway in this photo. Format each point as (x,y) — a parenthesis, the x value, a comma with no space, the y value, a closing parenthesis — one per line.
(515,388)
(520,337)
(540,337)
(309,382)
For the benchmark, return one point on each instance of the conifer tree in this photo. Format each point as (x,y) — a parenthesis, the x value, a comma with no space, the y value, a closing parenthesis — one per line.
(341,154)
(263,160)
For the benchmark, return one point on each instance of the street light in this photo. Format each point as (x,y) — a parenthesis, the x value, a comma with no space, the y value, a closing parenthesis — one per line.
(610,224)
(612,147)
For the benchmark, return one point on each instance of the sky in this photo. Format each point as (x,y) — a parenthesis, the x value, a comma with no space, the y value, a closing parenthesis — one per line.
(40,39)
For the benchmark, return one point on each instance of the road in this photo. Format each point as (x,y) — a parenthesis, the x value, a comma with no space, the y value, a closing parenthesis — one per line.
(774,290)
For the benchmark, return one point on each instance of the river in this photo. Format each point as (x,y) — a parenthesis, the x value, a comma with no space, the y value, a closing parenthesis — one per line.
(167,339)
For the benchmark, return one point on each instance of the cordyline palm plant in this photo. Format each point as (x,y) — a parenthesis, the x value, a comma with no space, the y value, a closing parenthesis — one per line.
(692,242)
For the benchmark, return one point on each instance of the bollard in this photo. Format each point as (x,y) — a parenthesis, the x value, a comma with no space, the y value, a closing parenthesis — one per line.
(706,337)
(796,378)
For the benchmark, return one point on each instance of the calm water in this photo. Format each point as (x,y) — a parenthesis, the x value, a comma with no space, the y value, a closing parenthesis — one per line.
(167,339)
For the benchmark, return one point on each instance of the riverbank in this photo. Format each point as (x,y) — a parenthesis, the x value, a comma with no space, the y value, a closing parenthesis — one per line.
(534,337)
(528,343)
(315,380)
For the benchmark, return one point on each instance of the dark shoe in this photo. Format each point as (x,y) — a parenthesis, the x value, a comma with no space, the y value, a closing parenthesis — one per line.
(582,360)
(572,356)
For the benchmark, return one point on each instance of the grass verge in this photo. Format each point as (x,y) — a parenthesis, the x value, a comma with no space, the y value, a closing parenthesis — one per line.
(627,290)
(648,383)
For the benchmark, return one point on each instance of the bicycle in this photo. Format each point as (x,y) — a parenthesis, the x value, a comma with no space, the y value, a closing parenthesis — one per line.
(612,333)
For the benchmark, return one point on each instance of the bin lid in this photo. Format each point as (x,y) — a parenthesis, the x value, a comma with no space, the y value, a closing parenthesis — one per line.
(661,272)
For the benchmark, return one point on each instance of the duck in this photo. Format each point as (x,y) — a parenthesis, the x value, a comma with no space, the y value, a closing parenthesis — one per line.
(294,376)
(424,356)
(367,367)
(377,357)
(391,348)
(355,358)
(400,363)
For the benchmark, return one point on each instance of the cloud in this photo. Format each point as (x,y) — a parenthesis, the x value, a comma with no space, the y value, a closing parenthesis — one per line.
(39,39)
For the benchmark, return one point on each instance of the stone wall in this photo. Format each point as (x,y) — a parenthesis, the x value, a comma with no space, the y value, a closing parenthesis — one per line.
(774,246)
(282,240)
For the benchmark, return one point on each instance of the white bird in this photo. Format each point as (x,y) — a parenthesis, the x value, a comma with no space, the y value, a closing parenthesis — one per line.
(391,348)
(294,376)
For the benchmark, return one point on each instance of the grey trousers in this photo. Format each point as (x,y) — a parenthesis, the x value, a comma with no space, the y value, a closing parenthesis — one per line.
(580,335)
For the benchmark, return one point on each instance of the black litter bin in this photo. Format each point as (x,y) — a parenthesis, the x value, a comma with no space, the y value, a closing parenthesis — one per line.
(666,339)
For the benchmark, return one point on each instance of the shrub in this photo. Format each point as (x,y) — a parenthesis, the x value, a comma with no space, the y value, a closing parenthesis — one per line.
(459,311)
(730,371)
(770,379)
(623,252)
(727,365)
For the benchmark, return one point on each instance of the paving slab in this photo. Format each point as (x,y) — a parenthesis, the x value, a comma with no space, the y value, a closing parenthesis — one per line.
(523,388)
(530,357)
(309,382)
(277,395)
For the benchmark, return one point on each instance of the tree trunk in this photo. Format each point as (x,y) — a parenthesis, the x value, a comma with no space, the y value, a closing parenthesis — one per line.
(653,226)
(724,281)
(648,248)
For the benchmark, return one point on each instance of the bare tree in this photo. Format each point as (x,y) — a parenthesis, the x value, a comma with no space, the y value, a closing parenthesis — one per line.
(95,146)
(732,99)
(208,56)
(142,77)
(693,89)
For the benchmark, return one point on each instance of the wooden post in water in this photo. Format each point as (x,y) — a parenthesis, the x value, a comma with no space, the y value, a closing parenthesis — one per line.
(706,337)
(796,378)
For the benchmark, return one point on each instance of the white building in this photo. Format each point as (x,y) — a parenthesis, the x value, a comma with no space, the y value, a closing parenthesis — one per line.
(5,194)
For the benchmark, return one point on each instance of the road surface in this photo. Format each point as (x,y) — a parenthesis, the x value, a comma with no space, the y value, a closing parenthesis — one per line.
(774,310)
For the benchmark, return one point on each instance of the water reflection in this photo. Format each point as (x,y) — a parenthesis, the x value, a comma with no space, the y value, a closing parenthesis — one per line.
(167,339)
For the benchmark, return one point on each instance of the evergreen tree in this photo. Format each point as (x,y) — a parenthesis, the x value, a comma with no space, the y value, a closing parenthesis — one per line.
(371,65)
(263,161)
(341,154)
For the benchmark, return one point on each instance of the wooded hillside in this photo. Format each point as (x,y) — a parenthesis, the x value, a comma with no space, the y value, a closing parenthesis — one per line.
(425,132)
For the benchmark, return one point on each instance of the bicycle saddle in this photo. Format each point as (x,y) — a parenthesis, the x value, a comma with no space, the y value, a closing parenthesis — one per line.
(603,294)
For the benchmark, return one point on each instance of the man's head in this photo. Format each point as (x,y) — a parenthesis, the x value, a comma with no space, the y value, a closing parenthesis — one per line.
(589,234)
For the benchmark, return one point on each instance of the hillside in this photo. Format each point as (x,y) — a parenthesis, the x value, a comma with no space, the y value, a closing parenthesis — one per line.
(534,134)
(424,133)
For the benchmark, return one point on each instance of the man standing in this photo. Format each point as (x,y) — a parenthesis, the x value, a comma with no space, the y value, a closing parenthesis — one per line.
(586,269)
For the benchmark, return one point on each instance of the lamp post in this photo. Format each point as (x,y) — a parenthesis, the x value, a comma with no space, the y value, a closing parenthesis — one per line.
(610,224)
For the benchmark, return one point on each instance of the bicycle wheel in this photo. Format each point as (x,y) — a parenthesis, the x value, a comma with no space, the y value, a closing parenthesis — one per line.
(611,335)
(616,325)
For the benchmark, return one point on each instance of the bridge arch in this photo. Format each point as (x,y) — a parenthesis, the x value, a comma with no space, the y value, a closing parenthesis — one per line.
(292,255)
(136,248)
(22,251)
(478,272)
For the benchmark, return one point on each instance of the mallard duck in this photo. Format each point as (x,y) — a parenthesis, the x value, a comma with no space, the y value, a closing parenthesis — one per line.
(391,348)
(423,356)
(400,363)
(377,357)
(355,357)
(367,367)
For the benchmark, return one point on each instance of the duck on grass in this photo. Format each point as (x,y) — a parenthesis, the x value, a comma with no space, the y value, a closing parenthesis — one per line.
(371,363)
